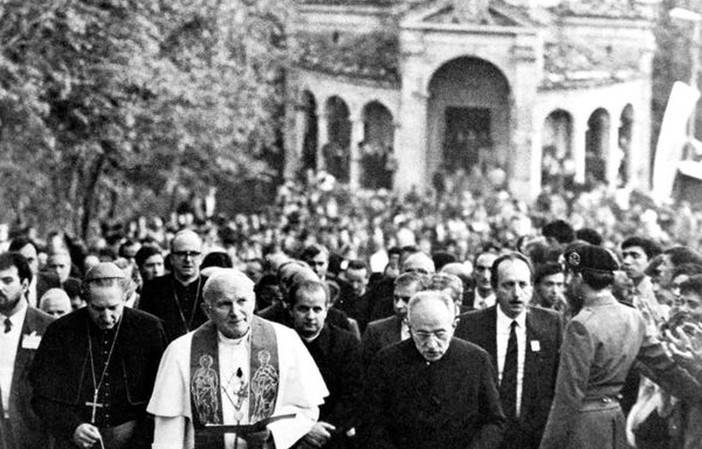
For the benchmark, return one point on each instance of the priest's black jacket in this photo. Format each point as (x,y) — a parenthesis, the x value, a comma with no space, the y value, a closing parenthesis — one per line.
(414,404)
(61,368)
(337,354)
(179,306)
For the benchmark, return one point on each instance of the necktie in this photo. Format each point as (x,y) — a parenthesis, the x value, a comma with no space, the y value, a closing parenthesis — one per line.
(508,385)
(8,325)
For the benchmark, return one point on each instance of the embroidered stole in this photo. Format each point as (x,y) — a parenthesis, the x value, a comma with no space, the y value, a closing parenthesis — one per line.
(205,382)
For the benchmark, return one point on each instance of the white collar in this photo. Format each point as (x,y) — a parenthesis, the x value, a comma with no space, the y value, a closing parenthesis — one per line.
(504,322)
(232,341)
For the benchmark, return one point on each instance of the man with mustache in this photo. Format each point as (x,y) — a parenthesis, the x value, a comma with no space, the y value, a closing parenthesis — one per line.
(523,343)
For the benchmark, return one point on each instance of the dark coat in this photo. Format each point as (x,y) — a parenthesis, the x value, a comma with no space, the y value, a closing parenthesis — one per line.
(353,306)
(378,335)
(413,404)
(24,427)
(540,367)
(60,365)
(158,297)
(338,356)
(380,298)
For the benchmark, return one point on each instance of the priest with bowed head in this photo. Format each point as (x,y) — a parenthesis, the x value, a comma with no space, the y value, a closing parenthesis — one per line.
(234,371)
(95,368)
(432,391)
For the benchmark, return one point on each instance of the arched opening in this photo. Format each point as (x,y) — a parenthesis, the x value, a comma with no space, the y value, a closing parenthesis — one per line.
(309,138)
(468,119)
(625,135)
(597,147)
(377,158)
(557,163)
(338,149)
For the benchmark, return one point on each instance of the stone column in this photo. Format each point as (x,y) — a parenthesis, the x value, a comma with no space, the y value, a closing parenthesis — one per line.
(524,157)
(357,136)
(579,130)
(411,142)
(614,154)
(536,159)
(322,137)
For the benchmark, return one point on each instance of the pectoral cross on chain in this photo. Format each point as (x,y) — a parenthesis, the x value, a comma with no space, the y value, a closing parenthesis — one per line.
(95,404)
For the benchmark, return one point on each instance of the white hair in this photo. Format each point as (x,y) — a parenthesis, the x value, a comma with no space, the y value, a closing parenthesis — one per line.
(223,278)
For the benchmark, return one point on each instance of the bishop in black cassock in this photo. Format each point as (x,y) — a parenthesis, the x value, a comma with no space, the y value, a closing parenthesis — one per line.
(94,372)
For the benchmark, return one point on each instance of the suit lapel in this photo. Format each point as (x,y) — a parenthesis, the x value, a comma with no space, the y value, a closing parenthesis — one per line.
(23,357)
(489,331)
(531,359)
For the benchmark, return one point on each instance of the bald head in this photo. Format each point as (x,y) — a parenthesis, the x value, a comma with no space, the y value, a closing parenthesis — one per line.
(431,318)
(186,255)
(457,269)
(419,263)
(55,302)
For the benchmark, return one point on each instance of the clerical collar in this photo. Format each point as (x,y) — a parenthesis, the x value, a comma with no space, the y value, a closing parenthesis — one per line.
(185,285)
(313,338)
(232,341)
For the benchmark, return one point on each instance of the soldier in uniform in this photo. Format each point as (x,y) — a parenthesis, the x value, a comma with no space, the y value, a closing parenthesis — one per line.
(601,343)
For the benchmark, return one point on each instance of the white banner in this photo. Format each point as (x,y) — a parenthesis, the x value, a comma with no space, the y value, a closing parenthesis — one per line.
(672,138)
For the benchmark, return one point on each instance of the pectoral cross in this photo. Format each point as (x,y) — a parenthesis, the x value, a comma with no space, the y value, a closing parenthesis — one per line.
(95,404)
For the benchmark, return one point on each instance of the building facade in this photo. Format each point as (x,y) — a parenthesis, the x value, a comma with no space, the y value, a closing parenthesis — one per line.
(388,93)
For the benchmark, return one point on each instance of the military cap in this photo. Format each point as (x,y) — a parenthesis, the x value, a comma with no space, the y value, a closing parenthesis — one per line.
(104,270)
(583,256)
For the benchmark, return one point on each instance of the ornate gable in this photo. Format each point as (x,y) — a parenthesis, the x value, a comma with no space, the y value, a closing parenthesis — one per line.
(467,12)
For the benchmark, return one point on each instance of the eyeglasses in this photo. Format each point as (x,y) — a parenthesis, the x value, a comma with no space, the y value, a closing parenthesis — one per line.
(184,254)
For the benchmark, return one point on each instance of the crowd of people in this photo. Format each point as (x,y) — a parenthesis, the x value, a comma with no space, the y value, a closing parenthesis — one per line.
(459,317)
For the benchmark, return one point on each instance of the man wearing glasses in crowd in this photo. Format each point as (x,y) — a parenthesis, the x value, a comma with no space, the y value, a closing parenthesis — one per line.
(432,390)
(176,297)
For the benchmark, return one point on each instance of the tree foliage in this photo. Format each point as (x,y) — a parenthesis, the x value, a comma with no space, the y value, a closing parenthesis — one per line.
(111,106)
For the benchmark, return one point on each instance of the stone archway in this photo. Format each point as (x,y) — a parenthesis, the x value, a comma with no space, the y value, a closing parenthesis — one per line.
(626,127)
(308,109)
(597,146)
(468,118)
(557,162)
(377,155)
(337,150)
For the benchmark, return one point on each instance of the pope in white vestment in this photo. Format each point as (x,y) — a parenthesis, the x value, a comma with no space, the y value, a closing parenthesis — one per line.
(224,381)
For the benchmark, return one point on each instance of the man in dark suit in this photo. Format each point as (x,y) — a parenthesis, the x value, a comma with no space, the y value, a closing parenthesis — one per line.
(525,354)
(386,331)
(482,296)
(176,297)
(432,391)
(22,329)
